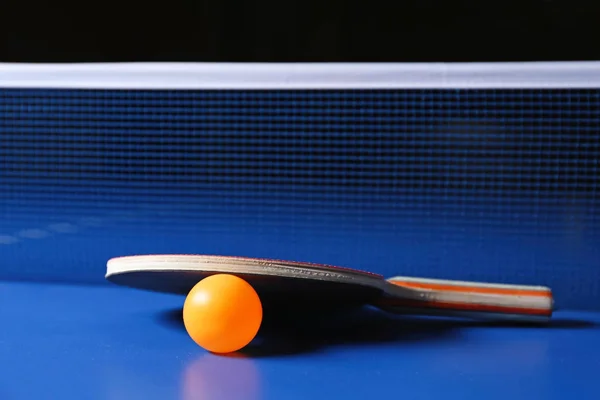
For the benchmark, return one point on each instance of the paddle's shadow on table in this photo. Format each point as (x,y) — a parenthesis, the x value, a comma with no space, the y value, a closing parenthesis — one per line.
(289,334)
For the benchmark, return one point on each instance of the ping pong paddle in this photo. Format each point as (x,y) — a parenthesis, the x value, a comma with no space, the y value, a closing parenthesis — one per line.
(298,284)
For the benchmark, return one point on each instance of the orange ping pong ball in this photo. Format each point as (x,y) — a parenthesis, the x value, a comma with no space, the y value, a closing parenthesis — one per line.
(222,313)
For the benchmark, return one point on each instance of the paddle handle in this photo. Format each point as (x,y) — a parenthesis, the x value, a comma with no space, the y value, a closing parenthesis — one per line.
(470,299)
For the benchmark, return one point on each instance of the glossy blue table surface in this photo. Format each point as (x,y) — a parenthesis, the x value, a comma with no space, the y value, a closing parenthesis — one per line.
(103,342)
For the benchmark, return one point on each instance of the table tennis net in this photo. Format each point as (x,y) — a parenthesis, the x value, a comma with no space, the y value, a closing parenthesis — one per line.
(479,183)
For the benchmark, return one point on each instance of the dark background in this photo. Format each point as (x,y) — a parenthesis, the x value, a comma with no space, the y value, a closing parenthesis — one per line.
(292,30)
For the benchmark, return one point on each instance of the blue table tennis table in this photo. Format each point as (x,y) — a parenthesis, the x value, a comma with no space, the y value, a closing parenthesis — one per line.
(73,342)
